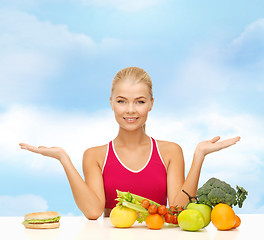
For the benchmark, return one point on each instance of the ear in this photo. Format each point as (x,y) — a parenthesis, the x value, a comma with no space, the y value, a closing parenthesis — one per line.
(111,102)
(151,105)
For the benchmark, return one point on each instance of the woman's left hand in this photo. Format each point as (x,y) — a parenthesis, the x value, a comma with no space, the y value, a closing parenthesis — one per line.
(213,145)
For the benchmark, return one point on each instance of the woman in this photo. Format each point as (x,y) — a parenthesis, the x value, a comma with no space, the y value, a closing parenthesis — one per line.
(133,161)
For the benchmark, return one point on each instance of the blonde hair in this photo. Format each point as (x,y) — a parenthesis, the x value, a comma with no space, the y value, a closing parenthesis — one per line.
(135,75)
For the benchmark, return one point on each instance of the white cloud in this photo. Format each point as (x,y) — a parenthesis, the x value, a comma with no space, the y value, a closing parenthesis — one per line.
(21,205)
(24,31)
(33,53)
(27,32)
(23,75)
(77,131)
(25,4)
(189,130)
(252,33)
(200,76)
(241,164)
(128,6)
(248,48)
(74,132)
(229,75)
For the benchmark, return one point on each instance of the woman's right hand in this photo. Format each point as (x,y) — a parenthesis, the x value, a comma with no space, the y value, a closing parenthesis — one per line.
(54,152)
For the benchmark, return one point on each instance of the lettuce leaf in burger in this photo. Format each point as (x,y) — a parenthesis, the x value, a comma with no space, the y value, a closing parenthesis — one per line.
(42,220)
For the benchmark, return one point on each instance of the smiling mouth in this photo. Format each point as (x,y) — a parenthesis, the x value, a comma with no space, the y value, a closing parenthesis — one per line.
(130,119)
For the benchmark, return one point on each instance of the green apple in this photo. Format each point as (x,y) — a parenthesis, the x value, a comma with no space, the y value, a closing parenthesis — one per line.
(191,220)
(204,209)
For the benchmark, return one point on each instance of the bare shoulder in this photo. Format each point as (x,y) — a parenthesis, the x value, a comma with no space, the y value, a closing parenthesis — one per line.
(166,146)
(170,152)
(95,155)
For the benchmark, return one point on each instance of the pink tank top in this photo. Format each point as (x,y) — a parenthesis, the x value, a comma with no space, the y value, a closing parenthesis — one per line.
(149,182)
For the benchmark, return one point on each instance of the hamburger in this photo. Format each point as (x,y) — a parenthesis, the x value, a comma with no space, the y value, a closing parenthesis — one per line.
(42,220)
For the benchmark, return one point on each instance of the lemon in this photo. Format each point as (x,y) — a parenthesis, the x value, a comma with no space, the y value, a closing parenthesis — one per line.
(123,217)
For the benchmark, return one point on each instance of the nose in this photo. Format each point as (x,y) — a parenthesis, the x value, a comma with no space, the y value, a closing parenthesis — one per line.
(130,108)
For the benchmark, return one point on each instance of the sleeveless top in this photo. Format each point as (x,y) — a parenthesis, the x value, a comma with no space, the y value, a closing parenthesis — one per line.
(149,182)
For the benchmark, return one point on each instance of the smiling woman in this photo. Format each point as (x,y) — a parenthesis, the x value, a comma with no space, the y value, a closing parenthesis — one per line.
(131,97)
(133,161)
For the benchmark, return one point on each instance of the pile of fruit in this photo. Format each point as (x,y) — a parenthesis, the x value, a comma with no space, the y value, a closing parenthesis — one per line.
(214,204)
(159,214)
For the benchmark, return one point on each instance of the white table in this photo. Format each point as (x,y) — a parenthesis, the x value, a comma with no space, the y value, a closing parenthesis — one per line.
(79,228)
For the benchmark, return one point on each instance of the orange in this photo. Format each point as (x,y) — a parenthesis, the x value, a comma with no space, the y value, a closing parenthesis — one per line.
(154,221)
(223,217)
(238,222)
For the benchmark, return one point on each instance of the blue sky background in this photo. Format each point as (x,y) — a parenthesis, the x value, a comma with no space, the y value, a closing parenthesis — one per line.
(57,61)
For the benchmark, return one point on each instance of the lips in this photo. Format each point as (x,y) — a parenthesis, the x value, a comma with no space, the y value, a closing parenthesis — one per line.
(130,119)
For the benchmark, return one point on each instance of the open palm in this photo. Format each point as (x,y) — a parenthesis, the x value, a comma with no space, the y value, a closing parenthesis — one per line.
(54,152)
(213,145)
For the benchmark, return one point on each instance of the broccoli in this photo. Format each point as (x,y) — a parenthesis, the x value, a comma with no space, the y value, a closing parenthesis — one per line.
(215,191)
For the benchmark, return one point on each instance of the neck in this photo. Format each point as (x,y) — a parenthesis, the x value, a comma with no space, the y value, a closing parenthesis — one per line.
(131,138)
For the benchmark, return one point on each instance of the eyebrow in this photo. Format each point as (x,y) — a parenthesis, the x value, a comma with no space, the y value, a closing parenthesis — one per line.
(135,98)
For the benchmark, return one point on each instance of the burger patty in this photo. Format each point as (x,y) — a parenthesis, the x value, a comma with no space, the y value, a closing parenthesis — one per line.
(44,222)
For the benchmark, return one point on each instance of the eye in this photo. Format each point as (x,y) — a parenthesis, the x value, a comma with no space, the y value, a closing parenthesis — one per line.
(120,101)
(140,102)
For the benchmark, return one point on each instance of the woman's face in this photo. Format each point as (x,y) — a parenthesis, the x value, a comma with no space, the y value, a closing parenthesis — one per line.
(131,103)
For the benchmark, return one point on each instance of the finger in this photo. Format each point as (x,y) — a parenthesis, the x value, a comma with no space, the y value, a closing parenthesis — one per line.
(236,139)
(233,140)
(215,139)
(229,142)
(21,145)
(24,145)
(29,147)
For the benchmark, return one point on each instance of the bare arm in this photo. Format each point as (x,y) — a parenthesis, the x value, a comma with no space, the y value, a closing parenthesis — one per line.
(175,173)
(85,194)
(190,185)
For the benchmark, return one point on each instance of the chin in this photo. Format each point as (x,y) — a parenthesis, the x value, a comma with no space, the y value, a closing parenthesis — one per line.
(131,128)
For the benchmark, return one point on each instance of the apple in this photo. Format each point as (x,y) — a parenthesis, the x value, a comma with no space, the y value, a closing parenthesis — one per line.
(204,209)
(191,220)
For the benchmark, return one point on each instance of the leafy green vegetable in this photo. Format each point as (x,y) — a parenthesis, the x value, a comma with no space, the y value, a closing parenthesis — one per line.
(133,201)
(215,191)
(135,207)
(240,196)
(130,197)
(56,219)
